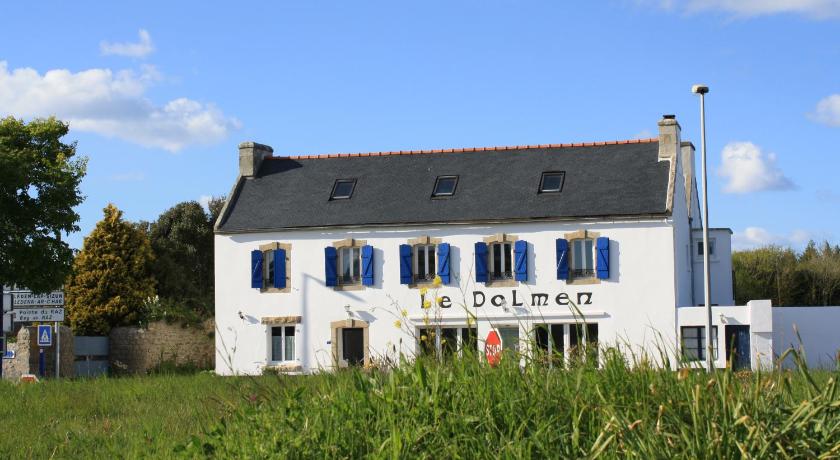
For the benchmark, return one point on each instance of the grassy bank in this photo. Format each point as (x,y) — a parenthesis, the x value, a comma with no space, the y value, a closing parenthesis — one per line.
(426,410)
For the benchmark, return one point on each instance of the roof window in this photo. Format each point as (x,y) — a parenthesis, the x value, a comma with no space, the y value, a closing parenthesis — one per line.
(552,182)
(445,186)
(343,189)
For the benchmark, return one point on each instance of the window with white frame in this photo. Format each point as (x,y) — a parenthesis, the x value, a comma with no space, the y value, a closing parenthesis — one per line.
(501,261)
(283,343)
(349,265)
(583,263)
(711,247)
(424,262)
(447,341)
(510,338)
(693,339)
(549,342)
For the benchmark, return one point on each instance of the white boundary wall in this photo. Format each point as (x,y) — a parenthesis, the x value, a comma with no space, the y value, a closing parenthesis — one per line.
(819,331)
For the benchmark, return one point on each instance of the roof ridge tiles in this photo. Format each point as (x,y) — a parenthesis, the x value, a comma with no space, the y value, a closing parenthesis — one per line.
(468,149)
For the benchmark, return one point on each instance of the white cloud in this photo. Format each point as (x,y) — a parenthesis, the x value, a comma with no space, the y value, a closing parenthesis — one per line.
(141,49)
(828,111)
(818,9)
(112,103)
(755,237)
(204,201)
(747,169)
(643,134)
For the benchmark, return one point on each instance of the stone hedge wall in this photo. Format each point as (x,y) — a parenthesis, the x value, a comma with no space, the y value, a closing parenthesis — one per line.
(137,350)
(26,355)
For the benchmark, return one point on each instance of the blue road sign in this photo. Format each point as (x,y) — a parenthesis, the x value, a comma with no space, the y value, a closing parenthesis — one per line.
(45,335)
(9,354)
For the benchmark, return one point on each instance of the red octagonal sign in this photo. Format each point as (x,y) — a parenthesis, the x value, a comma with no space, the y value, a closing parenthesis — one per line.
(493,348)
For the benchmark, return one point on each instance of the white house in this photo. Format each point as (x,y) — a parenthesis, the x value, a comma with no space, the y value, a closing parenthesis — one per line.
(325,261)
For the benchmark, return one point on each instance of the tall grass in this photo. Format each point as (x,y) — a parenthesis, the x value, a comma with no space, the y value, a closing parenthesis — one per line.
(464,409)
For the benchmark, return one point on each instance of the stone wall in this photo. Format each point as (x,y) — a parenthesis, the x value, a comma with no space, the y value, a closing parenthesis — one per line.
(137,350)
(26,355)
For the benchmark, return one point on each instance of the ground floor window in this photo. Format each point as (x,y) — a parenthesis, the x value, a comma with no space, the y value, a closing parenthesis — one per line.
(510,338)
(583,343)
(283,343)
(447,341)
(549,341)
(693,340)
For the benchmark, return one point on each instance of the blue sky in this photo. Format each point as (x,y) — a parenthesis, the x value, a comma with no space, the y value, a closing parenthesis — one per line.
(159,94)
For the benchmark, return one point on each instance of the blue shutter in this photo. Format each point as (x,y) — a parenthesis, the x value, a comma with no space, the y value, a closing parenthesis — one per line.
(256,269)
(480,262)
(331,266)
(405,264)
(280,268)
(602,249)
(367,265)
(520,260)
(443,262)
(562,259)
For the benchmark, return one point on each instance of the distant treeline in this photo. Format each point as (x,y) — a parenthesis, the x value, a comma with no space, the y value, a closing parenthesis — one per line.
(788,278)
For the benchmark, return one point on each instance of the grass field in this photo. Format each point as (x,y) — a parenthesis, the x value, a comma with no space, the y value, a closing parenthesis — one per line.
(426,410)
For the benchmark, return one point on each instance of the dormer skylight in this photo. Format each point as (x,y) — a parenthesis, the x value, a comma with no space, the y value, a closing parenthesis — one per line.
(343,189)
(445,186)
(552,182)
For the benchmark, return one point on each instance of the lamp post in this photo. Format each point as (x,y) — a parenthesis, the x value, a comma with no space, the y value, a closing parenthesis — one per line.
(710,363)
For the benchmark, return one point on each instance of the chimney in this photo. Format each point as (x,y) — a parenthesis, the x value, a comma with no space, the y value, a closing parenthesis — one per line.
(251,156)
(669,138)
(687,161)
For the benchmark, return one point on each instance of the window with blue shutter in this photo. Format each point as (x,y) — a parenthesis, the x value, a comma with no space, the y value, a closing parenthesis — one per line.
(279,268)
(480,262)
(602,250)
(443,262)
(256,269)
(562,249)
(331,266)
(520,260)
(405,264)
(367,265)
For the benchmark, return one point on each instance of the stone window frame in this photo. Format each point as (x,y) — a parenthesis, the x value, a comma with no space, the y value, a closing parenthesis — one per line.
(269,287)
(580,235)
(422,240)
(343,244)
(294,365)
(336,326)
(501,238)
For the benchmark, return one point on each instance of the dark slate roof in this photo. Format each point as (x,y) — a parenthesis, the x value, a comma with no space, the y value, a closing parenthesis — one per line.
(606,179)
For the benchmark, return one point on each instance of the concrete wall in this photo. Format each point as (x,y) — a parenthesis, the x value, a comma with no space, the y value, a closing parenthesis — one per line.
(136,350)
(818,333)
(26,355)
(635,306)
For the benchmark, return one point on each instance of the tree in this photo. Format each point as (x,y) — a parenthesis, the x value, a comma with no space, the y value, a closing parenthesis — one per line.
(182,241)
(112,277)
(39,187)
(767,273)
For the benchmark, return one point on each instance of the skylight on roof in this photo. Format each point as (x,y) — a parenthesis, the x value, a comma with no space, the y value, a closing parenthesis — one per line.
(552,182)
(343,189)
(445,186)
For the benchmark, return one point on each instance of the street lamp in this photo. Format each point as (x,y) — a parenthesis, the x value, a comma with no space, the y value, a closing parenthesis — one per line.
(702,90)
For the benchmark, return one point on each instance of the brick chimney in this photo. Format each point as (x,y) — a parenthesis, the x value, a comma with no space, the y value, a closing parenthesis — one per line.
(251,156)
(669,138)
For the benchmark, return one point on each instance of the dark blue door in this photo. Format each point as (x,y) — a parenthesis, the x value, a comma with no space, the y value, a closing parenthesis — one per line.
(738,347)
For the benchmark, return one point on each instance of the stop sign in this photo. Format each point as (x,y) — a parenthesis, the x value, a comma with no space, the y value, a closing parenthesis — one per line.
(493,348)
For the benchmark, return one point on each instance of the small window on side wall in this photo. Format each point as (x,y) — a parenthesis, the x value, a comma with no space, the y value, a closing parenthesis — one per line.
(343,189)
(445,186)
(552,182)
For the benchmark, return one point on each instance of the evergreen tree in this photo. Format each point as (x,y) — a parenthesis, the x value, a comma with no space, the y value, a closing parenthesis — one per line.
(112,277)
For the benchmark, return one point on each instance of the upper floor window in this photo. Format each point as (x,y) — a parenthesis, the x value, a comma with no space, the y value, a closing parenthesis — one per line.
(552,182)
(583,265)
(445,186)
(343,189)
(424,262)
(270,267)
(349,263)
(711,247)
(501,261)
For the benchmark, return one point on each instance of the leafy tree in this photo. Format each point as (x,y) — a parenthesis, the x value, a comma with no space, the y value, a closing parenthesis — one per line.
(112,277)
(182,241)
(39,187)
(215,206)
(767,273)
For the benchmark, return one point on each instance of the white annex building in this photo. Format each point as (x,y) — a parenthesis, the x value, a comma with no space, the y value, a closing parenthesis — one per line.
(337,260)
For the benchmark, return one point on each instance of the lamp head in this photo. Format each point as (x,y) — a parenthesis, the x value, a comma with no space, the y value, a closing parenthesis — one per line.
(699,89)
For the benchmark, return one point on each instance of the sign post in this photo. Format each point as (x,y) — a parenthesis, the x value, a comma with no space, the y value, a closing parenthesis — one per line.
(44,340)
